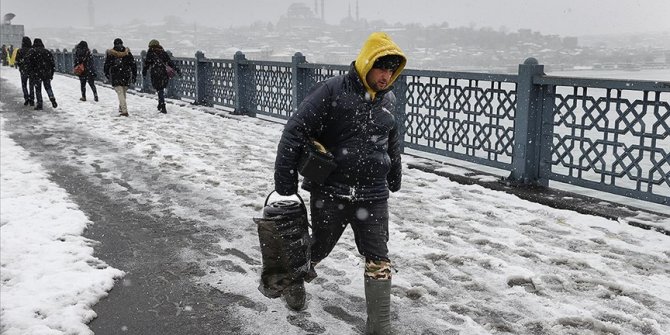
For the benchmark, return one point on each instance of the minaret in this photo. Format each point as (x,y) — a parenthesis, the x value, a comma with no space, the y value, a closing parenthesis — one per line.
(91,14)
(357,18)
(323,10)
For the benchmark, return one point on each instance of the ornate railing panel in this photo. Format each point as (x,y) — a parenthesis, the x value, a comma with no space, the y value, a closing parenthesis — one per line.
(460,115)
(183,86)
(273,90)
(221,87)
(320,72)
(611,137)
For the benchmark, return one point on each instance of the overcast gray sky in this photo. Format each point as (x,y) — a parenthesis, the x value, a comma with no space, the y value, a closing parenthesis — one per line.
(564,17)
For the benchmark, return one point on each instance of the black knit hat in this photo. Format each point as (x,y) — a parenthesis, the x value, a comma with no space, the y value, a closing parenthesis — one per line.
(118,41)
(388,62)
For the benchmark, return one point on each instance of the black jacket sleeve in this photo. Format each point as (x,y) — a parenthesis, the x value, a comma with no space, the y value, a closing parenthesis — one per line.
(107,65)
(394,177)
(306,123)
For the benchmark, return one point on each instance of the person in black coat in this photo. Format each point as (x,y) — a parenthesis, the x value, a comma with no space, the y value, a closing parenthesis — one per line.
(352,117)
(82,55)
(121,70)
(41,67)
(20,62)
(5,53)
(157,62)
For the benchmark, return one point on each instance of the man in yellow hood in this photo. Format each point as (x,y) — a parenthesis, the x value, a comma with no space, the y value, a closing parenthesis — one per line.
(351,116)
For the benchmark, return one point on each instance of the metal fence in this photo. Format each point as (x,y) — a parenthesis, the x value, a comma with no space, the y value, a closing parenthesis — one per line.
(607,135)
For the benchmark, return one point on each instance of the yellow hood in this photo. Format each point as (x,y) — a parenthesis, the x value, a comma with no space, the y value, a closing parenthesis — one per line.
(377,45)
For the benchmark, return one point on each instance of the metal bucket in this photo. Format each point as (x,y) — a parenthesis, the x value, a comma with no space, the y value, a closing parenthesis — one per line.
(283,233)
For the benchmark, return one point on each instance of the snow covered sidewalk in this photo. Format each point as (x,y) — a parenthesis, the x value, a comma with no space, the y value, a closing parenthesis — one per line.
(469,260)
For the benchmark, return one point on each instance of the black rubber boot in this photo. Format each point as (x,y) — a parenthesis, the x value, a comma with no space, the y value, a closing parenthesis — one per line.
(295,296)
(162,109)
(53,102)
(378,303)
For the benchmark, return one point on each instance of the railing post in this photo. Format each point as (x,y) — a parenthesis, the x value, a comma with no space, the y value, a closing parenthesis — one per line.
(68,61)
(399,90)
(243,85)
(299,81)
(203,77)
(99,63)
(528,127)
(59,60)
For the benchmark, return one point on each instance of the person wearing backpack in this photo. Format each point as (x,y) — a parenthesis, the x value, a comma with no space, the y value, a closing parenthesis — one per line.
(121,70)
(82,55)
(41,67)
(157,62)
(20,60)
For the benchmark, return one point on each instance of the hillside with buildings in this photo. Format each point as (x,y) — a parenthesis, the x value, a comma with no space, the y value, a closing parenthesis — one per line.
(436,47)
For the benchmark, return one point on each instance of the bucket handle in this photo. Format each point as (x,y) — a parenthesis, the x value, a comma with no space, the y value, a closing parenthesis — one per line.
(274,191)
(304,208)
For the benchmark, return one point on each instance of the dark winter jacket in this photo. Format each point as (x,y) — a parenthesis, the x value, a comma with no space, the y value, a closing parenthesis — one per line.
(361,134)
(357,127)
(20,60)
(82,54)
(120,67)
(40,62)
(155,62)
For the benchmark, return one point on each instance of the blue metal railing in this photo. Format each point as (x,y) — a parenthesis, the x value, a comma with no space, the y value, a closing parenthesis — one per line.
(608,135)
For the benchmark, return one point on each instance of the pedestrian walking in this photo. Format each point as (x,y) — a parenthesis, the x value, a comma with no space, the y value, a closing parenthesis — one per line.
(4,53)
(159,63)
(41,67)
(121,70)
(84,59)
(10,55)
(20,61)
(351,117)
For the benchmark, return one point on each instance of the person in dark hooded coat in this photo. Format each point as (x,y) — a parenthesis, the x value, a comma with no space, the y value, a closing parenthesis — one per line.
(41,67)
(82,55)
(352,117)
(120,68)
(4,54)
(20,62)
(156,63)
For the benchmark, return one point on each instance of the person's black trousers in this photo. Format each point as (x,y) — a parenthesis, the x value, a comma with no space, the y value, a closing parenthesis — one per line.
(368,219)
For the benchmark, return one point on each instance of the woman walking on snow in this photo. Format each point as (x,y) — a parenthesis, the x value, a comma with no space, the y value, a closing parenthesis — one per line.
(82,55)
(162,69)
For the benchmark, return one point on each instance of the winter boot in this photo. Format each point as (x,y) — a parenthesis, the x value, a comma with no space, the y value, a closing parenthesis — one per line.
(38,106)
(83,98)
(295,296)
(95,98)
(25,103)
(162,109)
(378,303)
(53,102)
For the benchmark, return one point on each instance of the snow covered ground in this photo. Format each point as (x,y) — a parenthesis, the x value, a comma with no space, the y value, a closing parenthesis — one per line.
(469,260)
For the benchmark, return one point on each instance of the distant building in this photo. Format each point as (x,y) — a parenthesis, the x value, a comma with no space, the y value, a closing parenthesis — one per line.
(11,34)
